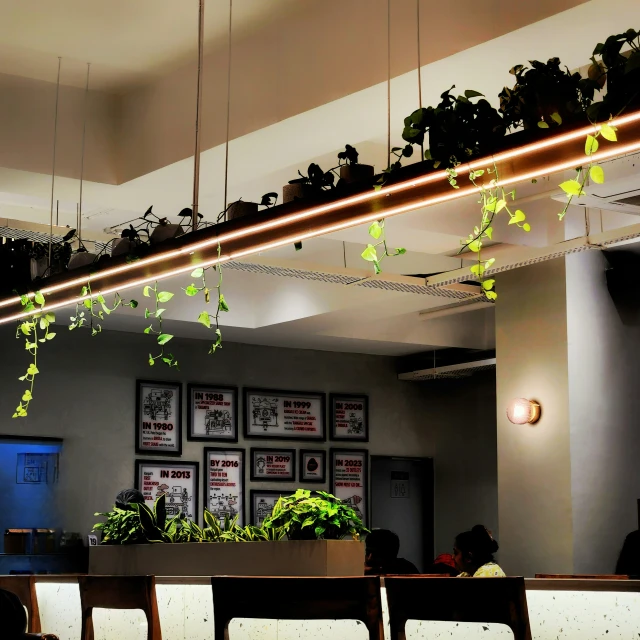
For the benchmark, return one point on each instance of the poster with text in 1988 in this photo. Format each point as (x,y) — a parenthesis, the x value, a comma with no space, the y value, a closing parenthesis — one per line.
(349,476)
(177,480)
(224,483)
(212,413)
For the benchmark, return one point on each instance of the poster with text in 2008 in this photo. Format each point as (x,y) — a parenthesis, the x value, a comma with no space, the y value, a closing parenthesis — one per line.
(224,483)
(349,471)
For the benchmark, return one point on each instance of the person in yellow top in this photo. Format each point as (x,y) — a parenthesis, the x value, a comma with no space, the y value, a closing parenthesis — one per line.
(473,554)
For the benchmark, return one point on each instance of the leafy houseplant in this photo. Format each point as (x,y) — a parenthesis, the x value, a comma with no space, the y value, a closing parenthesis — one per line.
(317,516)
(350,169)
(240,208)
(544,95)
(311,184)
(458,128)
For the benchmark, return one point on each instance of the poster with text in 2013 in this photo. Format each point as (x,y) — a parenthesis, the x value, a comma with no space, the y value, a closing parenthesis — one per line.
(224,483)
(178,481)
(349,474)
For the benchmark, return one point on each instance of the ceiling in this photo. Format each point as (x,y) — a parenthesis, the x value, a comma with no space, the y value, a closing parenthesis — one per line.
(292,312)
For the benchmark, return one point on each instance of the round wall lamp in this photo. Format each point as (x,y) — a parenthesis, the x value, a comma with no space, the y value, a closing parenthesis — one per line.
(523,411)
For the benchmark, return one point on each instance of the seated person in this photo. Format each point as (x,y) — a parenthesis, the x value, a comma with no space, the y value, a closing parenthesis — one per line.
(381,557)
(473,553)
(444,565)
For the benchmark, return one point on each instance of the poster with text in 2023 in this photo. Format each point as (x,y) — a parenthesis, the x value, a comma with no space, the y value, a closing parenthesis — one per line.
(349,479)
(224,488)
(285,415)
(178,481)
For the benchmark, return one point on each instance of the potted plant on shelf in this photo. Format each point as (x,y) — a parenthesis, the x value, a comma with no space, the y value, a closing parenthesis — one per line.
(81,257)
(241,208)
(316,181)
(544,96)
(350,169)
(317,515)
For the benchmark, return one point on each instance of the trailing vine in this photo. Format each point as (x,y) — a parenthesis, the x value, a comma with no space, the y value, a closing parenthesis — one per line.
(159,297)
(97,308)
(370,254)
(35,328)
(205,317)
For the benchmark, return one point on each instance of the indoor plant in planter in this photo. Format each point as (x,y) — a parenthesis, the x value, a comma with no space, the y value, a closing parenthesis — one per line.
(459,128)
(544,96)
(241,208)
(81,257)
(128,242)
(350,169)
(317,515)
(311,184)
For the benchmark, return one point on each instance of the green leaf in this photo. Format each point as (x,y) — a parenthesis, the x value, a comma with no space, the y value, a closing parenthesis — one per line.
(470,93)
(87,304)
(197,273)
(164,296)
(32,370)
(163,338)
(489,263)
(146,290)
(475,246)
(25,327)
(572,188)
(597,174)
(490,295)
(527,227)
(543,125)
(151,362)
(488,284)
(159,312)
(370,253)
(377,269)
(50,335)
(148,329)
(556,117)
(375,230)
(39,298)
(26,396)
(609,133)
(591,145)
(191,290)
(51,317)
(133,304)
(477,269)
(222,303)
(517,217)
(204,319)
(147,313)
(489,233)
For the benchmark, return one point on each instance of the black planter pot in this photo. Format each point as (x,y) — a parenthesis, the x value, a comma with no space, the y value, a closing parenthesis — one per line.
(297,191)
(350,173)
(240,209)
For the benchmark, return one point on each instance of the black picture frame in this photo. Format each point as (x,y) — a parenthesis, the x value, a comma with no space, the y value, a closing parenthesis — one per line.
(247,413)
(211,388)
(155,451)
(320,453)
(243,473)
(257,493)
(332,467)
(150,462)
(356,397)
(256,477)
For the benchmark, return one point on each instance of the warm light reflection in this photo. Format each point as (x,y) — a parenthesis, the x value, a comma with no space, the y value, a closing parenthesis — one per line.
(418,203)
(523,411)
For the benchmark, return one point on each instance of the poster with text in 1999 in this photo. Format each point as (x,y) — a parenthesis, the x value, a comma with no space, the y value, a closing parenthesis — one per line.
(349,479)
(178,481)
(224,483)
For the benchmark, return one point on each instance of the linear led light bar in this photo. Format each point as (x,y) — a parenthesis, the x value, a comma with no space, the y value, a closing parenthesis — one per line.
(551,155)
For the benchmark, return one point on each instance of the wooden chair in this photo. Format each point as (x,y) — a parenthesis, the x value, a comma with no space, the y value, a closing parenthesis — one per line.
(578,576)
(24,587)
(119,592)
(497,600)
(356,598)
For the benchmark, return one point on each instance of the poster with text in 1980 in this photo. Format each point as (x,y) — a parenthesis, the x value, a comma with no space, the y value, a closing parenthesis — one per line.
(349,470)
(224,483)
(158,418)
(285,415)
(177,480)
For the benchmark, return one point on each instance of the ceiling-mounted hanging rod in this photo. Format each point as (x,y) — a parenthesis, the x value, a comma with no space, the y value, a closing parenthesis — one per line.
(53,169)
(196,155)
(84,132)
(226,144)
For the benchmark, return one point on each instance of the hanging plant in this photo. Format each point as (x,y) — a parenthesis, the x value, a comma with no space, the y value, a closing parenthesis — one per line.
(97,308)
(370,254)
(35,330)
(159,297)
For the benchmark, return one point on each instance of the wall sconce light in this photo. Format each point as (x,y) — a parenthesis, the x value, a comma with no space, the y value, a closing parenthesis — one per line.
(523,411)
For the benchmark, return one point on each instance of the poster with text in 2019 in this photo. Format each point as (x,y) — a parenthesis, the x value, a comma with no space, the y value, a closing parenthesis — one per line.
(224,483)
(349,471)
(178,481)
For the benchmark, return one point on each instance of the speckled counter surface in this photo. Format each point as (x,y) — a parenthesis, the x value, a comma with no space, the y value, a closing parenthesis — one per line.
(558,610)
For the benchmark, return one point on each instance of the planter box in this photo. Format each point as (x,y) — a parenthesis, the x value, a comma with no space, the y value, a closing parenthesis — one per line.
(285,558)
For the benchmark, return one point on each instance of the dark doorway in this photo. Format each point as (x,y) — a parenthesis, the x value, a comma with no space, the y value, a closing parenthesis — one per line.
(402,500)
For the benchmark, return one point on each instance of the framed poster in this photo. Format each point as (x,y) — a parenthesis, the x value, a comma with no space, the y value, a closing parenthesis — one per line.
(158,418)
(224,483)
(284,415)
(312,465)
(262,503)
(273,465)
(349,476)
(178,480)
(212,413)
(349,417)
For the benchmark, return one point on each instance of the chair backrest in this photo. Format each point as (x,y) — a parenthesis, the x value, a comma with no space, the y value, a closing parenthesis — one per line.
(119,592)
(583,576)
(25,588)
(497,600)
(280,598)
